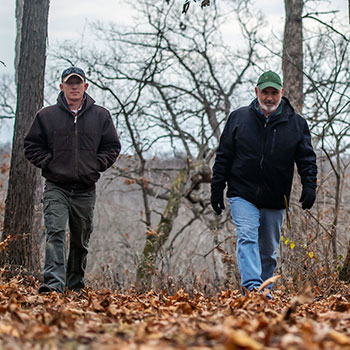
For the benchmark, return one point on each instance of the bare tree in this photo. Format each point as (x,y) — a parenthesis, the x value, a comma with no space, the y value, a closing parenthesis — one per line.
(7,98)
(321,233)
(292,62)
(24,179)
(329,88)
(19,22)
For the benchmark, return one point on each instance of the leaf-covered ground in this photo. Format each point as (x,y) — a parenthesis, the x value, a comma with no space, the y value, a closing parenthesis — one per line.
(108,320)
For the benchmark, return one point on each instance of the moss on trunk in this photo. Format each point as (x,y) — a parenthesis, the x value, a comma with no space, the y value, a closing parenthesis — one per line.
(155,239)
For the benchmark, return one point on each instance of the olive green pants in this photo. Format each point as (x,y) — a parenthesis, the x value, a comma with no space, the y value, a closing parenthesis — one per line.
(61,207)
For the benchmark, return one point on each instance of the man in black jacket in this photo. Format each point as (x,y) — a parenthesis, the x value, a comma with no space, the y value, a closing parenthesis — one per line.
(255,158)
(72,142)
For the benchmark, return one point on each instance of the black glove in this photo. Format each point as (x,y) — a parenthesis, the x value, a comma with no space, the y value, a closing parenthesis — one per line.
(307,199)
(217,202)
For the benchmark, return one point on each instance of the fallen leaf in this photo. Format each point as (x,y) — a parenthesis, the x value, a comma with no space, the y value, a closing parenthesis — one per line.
(270,280)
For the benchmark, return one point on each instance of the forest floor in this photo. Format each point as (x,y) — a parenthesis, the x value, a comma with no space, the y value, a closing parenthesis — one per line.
(106,320)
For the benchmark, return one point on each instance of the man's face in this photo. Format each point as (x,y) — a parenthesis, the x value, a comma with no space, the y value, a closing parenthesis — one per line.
(269,99)
(74,89)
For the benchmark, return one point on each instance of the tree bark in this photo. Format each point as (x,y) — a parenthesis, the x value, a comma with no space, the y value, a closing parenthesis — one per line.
(24,181)
(156,239)
(293,53)
(187,181)
(19,15)
(344,274)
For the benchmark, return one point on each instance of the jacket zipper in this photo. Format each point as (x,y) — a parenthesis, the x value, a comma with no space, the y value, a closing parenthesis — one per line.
(261,161)
(76,145)
(263,147)
(273,140)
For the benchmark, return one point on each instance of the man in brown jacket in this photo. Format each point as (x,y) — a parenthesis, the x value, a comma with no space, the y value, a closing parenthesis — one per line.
(72,142)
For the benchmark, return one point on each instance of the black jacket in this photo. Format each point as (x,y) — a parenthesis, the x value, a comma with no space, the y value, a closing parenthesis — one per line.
(256,158)
(72,151)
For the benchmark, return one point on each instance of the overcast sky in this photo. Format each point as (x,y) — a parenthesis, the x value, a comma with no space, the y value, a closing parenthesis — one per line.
(68,18)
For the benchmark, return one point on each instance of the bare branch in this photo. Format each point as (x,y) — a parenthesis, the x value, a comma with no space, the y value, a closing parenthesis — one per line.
(308,15)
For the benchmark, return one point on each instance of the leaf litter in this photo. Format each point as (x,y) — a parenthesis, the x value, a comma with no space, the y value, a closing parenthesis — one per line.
(109,320)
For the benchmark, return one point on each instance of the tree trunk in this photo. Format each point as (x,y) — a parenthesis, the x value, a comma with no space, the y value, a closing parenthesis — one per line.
(19,15)
(186,183)
(24,181)
(293,53)
(344,274)
(336,209)
(155,239)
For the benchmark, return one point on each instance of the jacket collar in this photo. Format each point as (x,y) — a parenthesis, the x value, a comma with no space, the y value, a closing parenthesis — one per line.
(62,102)
(282,114)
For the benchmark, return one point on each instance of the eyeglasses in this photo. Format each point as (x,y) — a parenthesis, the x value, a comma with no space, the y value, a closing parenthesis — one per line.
(71,70)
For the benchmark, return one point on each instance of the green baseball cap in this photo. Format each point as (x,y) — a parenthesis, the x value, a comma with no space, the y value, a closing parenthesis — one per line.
(269,79)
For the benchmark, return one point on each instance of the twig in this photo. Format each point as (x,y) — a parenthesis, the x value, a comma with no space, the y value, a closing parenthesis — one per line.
(217,246)
(6,116)
(327,25)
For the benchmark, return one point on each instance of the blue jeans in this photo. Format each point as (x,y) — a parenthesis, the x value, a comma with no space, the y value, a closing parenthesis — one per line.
(258,237)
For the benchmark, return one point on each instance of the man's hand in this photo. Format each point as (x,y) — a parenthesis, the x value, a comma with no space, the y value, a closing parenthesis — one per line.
(307,198)
(217,202)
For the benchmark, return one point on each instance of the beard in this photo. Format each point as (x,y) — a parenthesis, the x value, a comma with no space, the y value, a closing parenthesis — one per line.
(270,107)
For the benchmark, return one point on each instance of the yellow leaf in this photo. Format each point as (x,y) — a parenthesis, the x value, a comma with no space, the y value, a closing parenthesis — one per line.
(311,255)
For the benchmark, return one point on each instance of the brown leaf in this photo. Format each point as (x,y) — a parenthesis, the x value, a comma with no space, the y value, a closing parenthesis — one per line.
(205,3)
(339,338)
(8,329)
(304,297)
(185,307)
(96,306)
(239,338)
(333,315)
(272,279)
(113,310)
